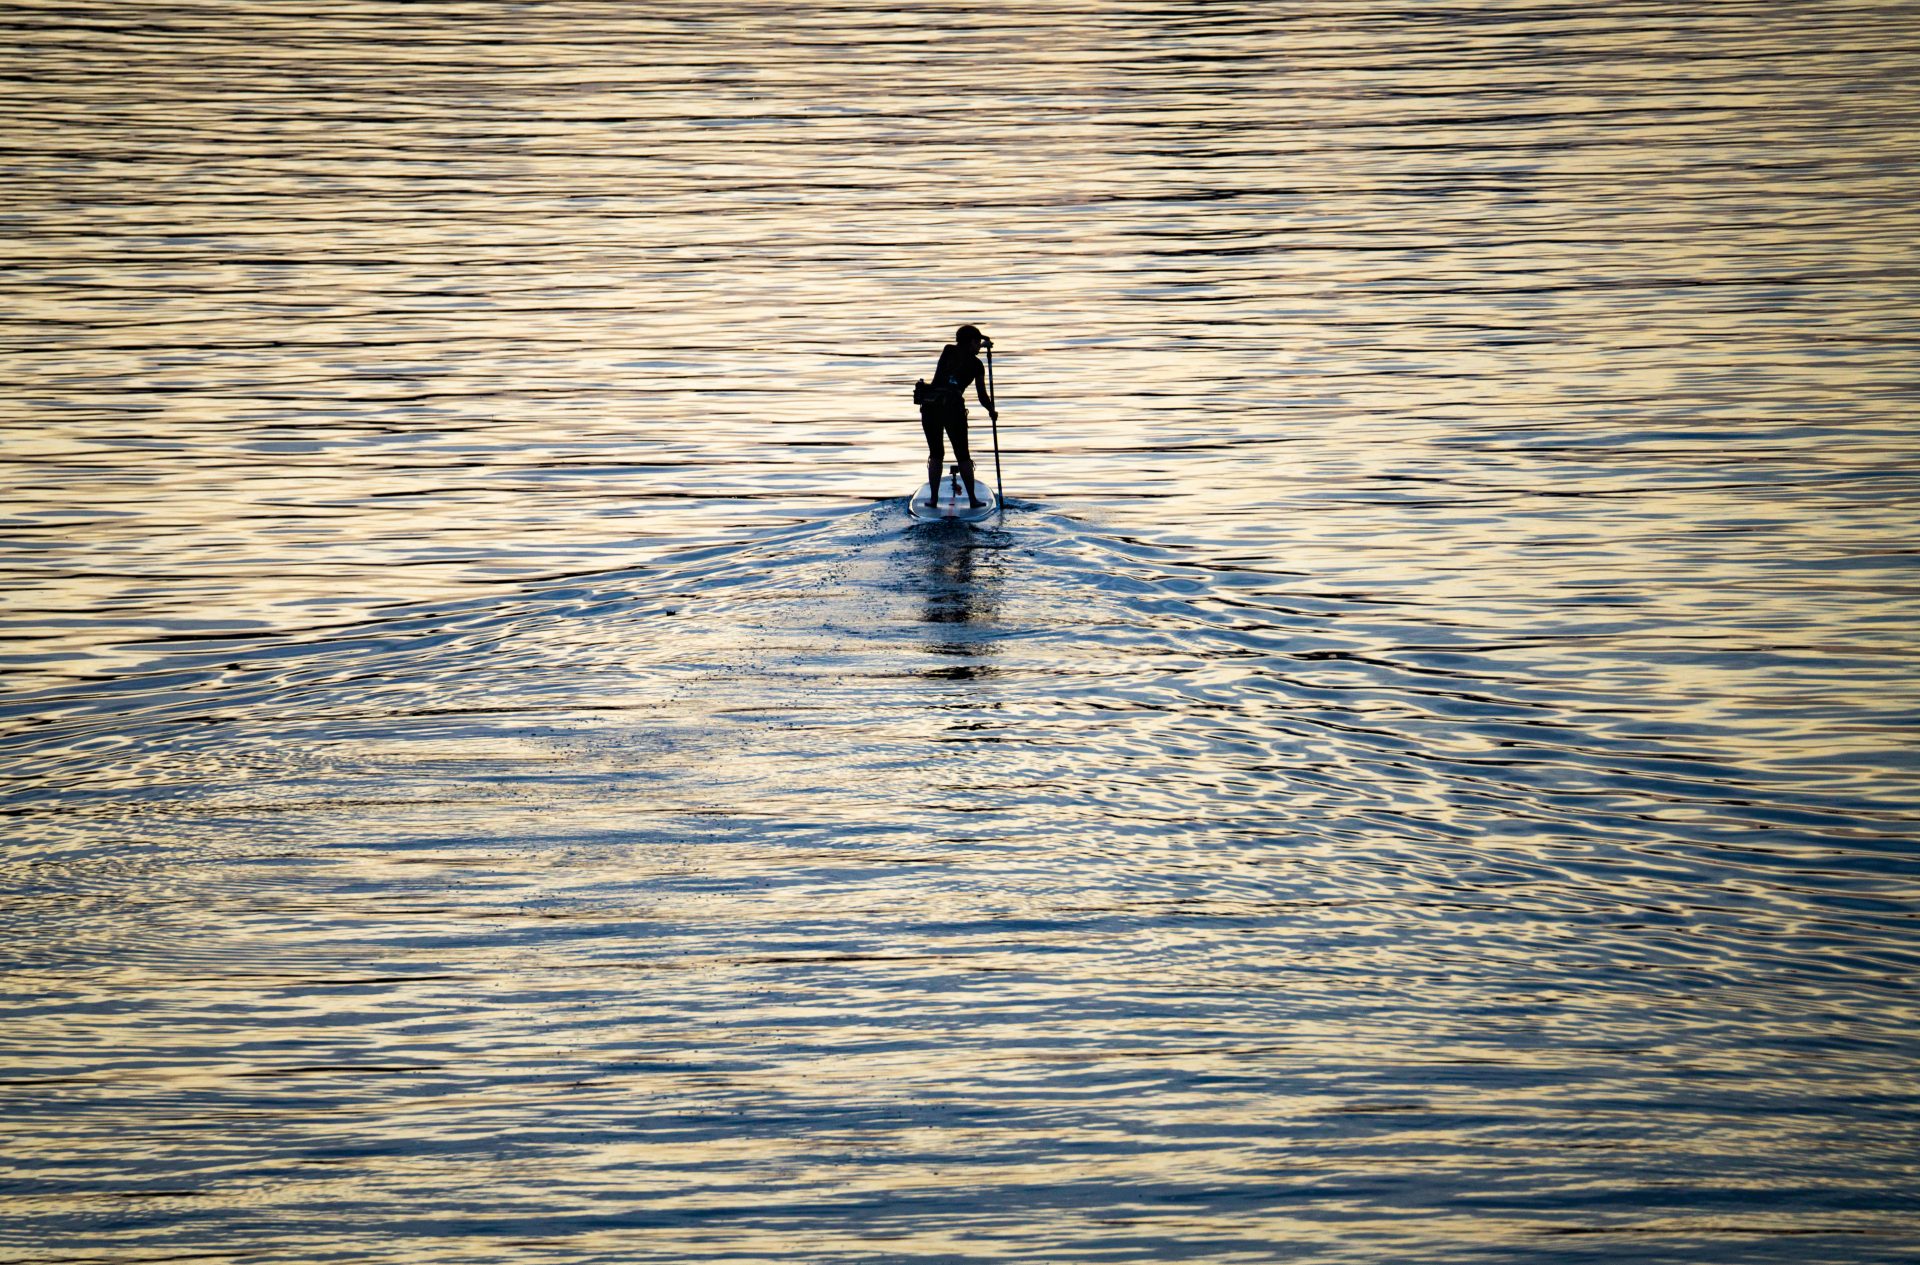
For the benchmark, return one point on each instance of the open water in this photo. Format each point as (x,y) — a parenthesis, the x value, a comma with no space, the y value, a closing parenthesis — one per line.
(1425,770)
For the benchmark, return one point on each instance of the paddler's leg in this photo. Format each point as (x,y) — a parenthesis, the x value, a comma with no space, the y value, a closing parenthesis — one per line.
(936,456)
(957,431)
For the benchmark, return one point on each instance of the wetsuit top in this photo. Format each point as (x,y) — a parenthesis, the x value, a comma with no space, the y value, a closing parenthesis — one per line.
(953,375)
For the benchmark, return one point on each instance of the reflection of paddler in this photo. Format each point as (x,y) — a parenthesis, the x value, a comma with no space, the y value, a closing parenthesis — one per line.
(950,593)
(943,408)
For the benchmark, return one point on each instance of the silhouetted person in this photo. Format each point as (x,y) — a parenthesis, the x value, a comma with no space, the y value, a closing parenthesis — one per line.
(947,409)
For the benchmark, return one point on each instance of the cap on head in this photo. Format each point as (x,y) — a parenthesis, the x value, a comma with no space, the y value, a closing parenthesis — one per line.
(968,332)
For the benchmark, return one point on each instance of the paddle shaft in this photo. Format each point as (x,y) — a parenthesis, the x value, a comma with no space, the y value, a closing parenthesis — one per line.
(999,484)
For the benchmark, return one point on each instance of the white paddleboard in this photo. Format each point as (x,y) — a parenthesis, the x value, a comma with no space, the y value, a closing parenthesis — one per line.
(953,502)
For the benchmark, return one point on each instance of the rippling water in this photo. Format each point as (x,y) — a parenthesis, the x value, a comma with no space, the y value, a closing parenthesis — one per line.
(1425,771)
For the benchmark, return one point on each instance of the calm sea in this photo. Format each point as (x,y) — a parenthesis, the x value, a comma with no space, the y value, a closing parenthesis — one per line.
(1423,771)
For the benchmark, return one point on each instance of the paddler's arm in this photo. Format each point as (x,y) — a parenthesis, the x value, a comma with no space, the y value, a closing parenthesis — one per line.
(986,401)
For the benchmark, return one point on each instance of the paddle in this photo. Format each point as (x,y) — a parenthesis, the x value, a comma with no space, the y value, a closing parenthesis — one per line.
(999,485)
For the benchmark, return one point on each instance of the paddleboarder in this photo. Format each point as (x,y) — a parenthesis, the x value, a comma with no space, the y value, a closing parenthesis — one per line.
(945,409)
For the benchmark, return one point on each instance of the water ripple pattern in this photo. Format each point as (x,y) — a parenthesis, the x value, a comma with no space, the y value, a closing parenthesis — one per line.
(1423,771)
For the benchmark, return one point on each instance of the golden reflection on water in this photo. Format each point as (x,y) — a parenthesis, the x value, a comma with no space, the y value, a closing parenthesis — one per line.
(1420,772)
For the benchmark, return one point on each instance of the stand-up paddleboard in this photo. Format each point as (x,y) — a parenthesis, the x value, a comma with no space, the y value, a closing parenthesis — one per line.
(953,501)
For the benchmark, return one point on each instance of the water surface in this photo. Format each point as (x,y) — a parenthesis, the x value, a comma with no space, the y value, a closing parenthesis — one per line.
(1423,771)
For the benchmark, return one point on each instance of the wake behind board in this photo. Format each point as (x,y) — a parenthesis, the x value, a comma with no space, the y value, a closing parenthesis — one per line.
(953,501)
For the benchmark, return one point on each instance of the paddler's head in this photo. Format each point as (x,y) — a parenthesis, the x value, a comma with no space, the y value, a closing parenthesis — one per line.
(969,339)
